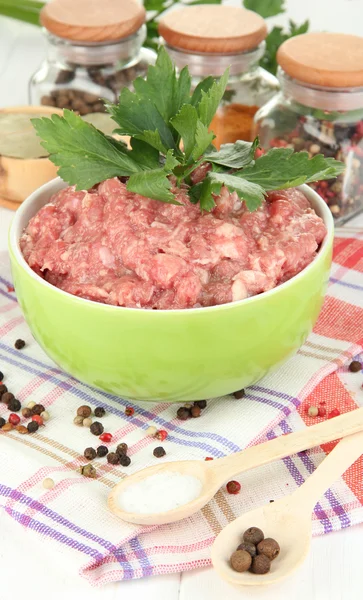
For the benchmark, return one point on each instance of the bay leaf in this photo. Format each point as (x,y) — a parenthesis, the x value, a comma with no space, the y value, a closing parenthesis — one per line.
(18,138)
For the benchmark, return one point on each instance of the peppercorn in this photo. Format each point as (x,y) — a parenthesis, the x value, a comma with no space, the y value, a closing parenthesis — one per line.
(201,403)
(6,397)
(3,390)
(102,451)
(322,411)
(334,413)
(1,375)
(88,471)
(45,415)
(208,458)
(195,411)
(159,452)
(2,422)
(78,421)
(113,458)
(183,413)
(32,426)
(241,561)
(48,483)
(14,405)
(96,428)
(7,427)
(122,448)
(31,404)
(253,535)
(99,412)
(269,547)
(14,419)
(355,366)
(161,435)
(129,411)
(239,394)
(90,453)
(313,411)
(188,405)
(250,548)
(233,487)
(38,419)
(260,565)
(106,437)
(151,431)
(87,422)
(21,429)
(26,412)
(84,411)
(19,344)
(37,409)
(125,460)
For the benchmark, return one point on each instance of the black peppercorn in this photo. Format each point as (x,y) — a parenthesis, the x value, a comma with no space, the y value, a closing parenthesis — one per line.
(124,460)
(26,412)
(239,394)
(88,471)
(1,375)
(183,413)
(14,405)
(113,458)
(201,403)
(19,344)
(253,535)
(102,451)
(355,366)
(260,564)
(159,452)
(32,426)
(37,409)
(250,548)
(240,561)
(99,412)
(3,389)
(195,412)
(269,547)
(122,449)
(90,453)
(84,411)
(96,428)
(2,422)
(7,397)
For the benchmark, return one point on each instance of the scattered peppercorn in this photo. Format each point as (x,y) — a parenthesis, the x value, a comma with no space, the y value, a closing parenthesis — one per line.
(38,409)
(151,431)
(14,405)
(90,453)
(2,422)
(122,448)
(96,428)
(38,419)
(102,451)
(3,390)
(45,415)
(233,487)
(188,405)
(239,394)
(87,422)
(99,412)
(84,411)
(260,565)
(313,411)
(253,535)
(129,411)
(6,397)
(241,561)
(21,429)
(48,483)
(269,547)
(334,413)
(14,419)
(159,452)
(322,411)
(355,366)
(201,403)
(88,471)
(31,404)
(19,344)
(106,437)
(125,460)
(32,426)
(78,420)
(161,435)
(209,458)
(7,427)
(195,412)
(250,548)
(26,412)
(183,413)
(113,458)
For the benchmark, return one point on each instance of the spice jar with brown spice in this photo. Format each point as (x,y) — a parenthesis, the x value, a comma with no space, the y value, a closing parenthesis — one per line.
(94,49)
(211,38)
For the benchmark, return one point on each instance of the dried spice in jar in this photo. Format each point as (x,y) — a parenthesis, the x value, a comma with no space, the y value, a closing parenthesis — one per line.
(94,50)
(320,110)
(211,38)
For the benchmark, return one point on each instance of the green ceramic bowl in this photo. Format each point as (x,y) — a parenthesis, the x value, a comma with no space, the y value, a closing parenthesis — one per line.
(169,355)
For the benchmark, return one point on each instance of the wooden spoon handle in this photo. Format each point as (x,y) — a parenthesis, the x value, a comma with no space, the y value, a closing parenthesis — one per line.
(255,456)
(333,466)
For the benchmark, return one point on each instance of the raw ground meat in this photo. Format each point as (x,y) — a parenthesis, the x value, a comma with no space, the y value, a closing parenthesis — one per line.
(116,247)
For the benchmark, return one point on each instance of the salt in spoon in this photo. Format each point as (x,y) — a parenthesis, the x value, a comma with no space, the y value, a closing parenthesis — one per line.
(213,474)
(287,520)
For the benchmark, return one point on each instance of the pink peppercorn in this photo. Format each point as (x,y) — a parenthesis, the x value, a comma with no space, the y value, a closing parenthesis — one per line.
(334,413)
(14,419)
(106,437)
(321,411)
(233,487)
(129,411)
(38,419)
(208,458)
(161,434)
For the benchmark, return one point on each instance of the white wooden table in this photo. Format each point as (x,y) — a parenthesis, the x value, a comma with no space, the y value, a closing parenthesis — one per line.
(333,570)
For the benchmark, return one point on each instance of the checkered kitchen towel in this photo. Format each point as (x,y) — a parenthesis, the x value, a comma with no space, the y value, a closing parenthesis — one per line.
(73,519)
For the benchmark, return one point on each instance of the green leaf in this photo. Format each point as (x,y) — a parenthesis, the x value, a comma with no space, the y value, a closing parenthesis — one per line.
(235,156)
(251,193)
(144,154)
(202,192)
(265,8)
(275,38)
(203,86)
(203,139)
(185,123)
(170,162)
(85,155)
(152,184)
(282,168)
(211,99)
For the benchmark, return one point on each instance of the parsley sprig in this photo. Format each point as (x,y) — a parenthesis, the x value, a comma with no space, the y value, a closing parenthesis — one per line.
(170,138)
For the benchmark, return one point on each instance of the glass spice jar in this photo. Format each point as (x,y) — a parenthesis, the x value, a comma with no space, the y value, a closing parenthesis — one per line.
(211,38)
(94,50)
(320,109)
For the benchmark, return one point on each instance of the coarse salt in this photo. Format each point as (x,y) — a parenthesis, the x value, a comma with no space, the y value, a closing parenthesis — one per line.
(159,493)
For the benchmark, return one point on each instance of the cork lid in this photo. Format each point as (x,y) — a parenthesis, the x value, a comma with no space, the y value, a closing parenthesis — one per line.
(213,28)
(324,59)
(92,20)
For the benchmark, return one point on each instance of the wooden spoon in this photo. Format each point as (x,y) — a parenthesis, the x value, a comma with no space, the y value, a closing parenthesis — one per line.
(288,520)
(213,474)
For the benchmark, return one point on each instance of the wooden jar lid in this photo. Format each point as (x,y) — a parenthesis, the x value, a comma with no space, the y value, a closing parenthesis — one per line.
(324,59)
(92,20)
(213,29)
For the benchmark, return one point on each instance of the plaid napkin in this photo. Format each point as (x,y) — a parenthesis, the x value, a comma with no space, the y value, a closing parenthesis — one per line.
(73,519)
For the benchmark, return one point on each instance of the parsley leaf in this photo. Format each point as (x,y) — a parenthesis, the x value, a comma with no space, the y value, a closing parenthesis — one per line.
(235,155)
(185,123)
(251,193)
(274,40)
(211,99)
(153,184)
(203,139)
(265,8)
(202,193)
